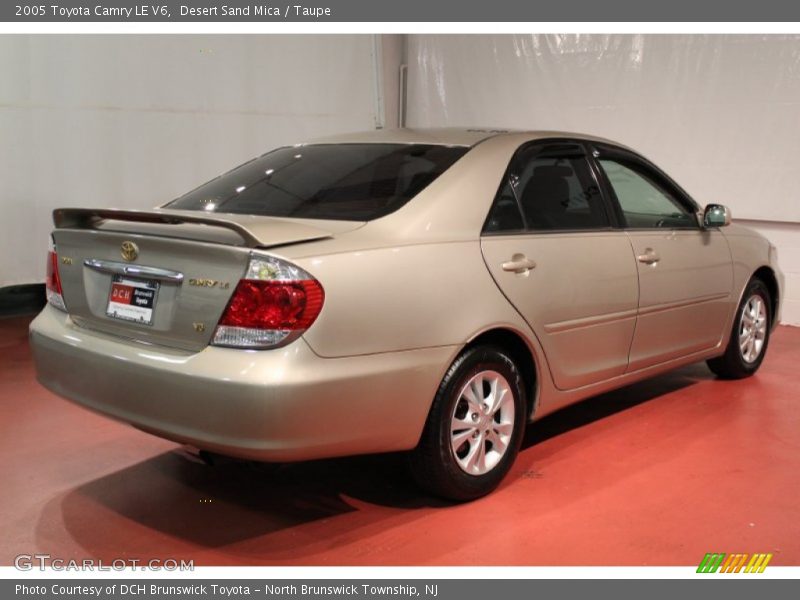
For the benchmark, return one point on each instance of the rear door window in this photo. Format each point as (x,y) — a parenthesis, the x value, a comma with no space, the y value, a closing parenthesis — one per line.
(351,182)
(549,188)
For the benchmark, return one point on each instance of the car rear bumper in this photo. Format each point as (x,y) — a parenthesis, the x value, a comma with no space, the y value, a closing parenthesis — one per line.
(281,405)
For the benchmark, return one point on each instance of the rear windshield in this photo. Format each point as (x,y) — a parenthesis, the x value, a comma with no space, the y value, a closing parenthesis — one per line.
(350,182)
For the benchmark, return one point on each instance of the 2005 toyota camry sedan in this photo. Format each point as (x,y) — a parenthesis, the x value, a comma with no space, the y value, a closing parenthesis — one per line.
(429,291)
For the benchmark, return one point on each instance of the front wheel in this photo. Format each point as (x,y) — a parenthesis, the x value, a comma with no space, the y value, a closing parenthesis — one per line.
(475,426)
(750,335)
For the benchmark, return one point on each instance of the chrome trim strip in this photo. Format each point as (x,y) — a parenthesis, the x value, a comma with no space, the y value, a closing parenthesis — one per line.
(118,268)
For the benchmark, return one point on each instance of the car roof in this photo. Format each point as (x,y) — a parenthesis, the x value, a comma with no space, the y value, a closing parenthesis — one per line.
(449,136)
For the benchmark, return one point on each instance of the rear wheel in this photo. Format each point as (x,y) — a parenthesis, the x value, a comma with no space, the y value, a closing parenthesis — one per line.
(750,335)
(475,426)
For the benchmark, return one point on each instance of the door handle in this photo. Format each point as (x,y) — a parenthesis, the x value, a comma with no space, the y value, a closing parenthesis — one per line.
(519,264)
(650,257)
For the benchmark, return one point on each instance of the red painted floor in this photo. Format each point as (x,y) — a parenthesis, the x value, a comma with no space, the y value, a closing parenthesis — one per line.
(658,473)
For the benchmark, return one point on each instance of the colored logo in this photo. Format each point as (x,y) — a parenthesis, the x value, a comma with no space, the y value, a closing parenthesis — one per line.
(714,562)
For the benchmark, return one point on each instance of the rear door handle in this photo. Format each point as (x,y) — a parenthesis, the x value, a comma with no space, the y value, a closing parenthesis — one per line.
(519,264)
(650,257)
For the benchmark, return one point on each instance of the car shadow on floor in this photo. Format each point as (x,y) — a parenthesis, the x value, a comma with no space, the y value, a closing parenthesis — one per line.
(610,403)
(232,504)
(217,505)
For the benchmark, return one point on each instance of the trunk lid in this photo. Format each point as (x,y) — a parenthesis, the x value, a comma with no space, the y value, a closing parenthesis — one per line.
(163,277)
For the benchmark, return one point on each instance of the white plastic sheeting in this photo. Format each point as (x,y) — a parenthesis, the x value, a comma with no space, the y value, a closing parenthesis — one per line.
(132,121)
(720,113)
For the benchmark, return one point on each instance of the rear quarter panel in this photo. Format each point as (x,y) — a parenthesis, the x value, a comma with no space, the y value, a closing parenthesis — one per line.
(405,297)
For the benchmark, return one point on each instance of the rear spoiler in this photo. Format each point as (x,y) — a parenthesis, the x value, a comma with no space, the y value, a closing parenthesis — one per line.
(276,231)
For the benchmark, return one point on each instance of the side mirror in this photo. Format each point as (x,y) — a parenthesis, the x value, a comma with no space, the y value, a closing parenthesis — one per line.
(716,215)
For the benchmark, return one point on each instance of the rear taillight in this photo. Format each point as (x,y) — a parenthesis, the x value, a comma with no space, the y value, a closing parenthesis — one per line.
(273,305)
(53,281)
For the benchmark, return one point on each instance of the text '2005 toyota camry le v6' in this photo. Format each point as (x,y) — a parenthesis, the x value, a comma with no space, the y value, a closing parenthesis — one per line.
(428,291)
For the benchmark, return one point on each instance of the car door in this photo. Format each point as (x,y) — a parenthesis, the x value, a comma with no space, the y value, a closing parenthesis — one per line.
(685,271)
(550,244)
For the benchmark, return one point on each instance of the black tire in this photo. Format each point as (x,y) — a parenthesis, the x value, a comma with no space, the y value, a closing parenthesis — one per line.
(434,463)
(733,364)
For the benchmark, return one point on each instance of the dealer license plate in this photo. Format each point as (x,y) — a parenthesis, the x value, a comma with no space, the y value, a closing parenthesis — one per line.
(132,299)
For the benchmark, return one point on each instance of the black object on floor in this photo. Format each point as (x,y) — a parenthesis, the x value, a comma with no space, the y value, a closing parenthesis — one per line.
(24,299)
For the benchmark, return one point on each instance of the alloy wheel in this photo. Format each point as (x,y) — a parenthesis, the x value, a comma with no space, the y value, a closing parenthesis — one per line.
(753,328)
(482,423)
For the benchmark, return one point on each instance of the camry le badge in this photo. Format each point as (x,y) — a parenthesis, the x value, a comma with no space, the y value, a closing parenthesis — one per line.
(209,283)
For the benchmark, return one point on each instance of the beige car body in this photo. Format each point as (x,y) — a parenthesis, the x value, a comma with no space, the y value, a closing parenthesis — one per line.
(404,294)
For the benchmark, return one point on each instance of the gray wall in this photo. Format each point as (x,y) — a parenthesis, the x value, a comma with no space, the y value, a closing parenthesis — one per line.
(132,121)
